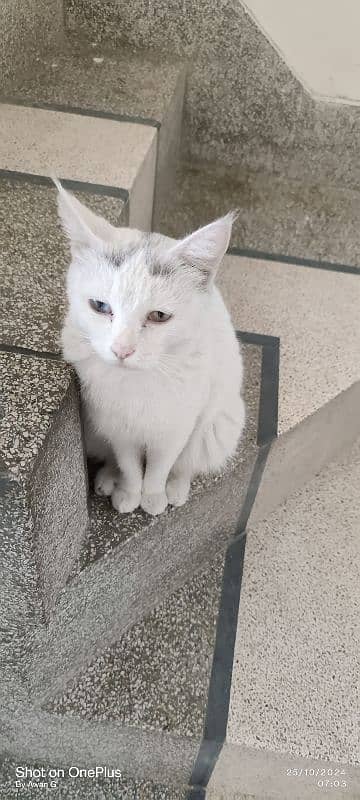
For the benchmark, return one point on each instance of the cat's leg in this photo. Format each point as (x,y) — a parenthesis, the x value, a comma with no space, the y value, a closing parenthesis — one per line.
(160,459)
(98,449)
(178,486)
(178,482)
(106,479)
(126,495)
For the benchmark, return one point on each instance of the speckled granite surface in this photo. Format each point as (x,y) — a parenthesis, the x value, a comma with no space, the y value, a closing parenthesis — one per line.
(157,675)
(92,76)
(21,605)
(83,788)
(33,260)
(26,28)
(243,105)
(316,314)
(276,214)
(41,447)
(32,390)
(295,689)
(308,548)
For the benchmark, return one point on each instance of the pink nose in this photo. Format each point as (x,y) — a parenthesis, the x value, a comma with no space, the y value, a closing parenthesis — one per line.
(122,351)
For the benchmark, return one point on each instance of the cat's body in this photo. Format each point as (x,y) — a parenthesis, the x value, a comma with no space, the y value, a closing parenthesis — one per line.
(161,398)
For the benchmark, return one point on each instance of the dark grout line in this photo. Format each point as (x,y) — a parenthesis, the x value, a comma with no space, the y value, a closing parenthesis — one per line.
(27,351)
(269,396)
(217,710)
(75,186)
(293,260)
(82,112)
(196,793)
(257,338)
(252,489)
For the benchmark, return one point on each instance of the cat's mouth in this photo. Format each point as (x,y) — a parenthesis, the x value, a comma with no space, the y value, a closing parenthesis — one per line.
(125,364)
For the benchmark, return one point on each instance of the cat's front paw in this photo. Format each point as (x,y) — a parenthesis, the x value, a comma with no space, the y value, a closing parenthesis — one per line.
(177,490)
(105,481)
(154,503)
(124,501)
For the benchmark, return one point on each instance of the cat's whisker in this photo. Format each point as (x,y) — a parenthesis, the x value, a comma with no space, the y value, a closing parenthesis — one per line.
(168,367)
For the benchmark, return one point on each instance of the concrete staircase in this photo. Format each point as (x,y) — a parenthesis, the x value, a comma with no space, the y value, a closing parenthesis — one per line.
(122,640)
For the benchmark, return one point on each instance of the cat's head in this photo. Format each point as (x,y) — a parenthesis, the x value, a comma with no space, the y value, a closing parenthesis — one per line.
(135,298)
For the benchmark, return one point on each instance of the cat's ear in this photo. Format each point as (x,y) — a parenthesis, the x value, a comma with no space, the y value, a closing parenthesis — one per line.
(205,248)
(82,226)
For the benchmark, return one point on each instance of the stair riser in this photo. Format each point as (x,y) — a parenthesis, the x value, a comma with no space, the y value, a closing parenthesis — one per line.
(58,500)
(32,736)
(120,156)
(169,148)
(113,594)
(301,453)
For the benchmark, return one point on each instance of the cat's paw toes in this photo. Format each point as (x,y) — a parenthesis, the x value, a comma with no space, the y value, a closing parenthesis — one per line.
(177,490)
(124,501)
(154,503)
(104,483)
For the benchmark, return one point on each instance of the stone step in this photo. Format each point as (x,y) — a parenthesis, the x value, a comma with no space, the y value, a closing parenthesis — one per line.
(69,787)
(315,312)
(132,562)
(119,155)
(262,704)
(243,104)
(153,683)
(43,500)
(276,214)
(293,715)
(306,299)
(141,93)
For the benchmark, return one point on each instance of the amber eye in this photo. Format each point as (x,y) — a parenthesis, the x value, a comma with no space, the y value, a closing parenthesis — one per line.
(158,316)
(100,307)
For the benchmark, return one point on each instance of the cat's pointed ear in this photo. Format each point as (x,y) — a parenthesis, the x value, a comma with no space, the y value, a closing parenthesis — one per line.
(82,226)
(205,248)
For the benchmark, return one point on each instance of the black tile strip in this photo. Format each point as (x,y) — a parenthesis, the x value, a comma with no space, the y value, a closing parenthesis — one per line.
(196,793)
(269,382)
(75,186)
(294,260)
(217,709)
(257,338)
(252,489)
(83,112)
(269,395)
(220,680)
(27,351)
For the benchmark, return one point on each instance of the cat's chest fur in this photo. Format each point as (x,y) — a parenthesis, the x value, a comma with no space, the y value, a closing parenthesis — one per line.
(143,404)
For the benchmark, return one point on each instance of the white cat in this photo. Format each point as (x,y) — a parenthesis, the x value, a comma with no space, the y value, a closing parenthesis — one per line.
(157,357)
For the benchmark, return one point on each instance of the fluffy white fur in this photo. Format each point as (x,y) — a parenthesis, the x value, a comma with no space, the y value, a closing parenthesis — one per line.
(172,409)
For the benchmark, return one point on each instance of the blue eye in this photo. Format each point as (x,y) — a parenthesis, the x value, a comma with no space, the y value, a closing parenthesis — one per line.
(100,307)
